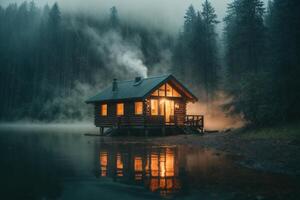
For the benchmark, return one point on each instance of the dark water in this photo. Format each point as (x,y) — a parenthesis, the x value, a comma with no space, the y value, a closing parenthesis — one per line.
(62,163)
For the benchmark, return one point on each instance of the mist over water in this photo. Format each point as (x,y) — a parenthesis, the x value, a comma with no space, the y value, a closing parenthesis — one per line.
(62,163)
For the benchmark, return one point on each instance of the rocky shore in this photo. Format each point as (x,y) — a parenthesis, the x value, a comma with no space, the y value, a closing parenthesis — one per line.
(271,155)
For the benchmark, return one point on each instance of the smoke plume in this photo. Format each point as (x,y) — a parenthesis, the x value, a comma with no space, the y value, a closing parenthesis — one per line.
(120,56)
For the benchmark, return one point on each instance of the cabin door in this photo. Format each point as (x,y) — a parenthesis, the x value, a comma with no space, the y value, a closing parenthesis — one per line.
(169,111)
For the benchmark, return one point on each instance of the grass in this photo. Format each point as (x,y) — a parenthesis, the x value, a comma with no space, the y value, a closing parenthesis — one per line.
(287,132)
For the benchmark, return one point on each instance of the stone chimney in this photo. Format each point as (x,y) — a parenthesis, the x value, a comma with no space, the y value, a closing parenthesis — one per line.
(114,85)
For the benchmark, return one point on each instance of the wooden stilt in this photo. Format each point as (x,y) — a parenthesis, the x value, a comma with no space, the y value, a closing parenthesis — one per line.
(101,130)
(163,130)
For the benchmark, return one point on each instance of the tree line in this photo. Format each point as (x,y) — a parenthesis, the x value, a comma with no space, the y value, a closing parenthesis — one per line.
(262,60)
(44,53)
(196,59)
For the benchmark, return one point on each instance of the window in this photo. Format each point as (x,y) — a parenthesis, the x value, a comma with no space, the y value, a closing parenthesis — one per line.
(120,109)
(104,110)
(162,91)
(166,90)
(155,93)
(162,107)
(176,94)
(138,107)
(154,107)
(169,90)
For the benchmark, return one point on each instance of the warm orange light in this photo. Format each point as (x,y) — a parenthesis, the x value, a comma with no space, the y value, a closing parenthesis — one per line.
(176,94)
(162,91)
(103,163)
(154,106)
(104,110)
(166,90)
(154,165)
(162,165)
(162,100)
(120,109)
(154,184)
(119,165)
(170,162)
(138,164)
(155,93)
(169,90)
(162,183)
(162,106)
(169,183)
(138,108)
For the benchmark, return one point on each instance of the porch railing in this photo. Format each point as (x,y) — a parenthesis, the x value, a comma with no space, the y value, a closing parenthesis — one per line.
(194,121)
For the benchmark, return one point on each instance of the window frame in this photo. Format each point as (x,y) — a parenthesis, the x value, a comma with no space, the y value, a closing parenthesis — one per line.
(117,109)
(135,107)
(161,107)
(101,112)
(162,91)
(157,107)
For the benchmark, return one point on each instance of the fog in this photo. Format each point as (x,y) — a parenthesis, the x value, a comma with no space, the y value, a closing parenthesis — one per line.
(124,58)
(164,14)
(214,116)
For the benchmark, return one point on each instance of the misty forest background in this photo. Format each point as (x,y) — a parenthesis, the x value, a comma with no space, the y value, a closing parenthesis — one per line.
(51,61)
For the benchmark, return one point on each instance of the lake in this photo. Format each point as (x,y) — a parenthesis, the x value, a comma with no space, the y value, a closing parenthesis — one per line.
(59,162)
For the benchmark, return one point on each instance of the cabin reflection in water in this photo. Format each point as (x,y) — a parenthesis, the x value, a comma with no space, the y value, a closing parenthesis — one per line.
(154,167)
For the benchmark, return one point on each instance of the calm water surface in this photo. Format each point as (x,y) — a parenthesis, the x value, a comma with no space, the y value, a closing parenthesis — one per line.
(62,163)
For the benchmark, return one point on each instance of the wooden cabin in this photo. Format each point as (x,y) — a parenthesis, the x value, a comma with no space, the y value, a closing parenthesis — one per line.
(145,103)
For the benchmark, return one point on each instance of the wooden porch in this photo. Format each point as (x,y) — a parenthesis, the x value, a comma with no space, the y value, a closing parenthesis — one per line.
(188,124)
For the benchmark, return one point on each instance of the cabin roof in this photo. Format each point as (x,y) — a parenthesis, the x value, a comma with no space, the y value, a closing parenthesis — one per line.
(130,89)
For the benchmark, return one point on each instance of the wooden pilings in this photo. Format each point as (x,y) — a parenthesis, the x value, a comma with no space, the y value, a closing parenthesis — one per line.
(101,130)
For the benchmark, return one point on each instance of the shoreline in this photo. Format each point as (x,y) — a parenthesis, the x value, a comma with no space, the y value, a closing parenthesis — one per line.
(268,155)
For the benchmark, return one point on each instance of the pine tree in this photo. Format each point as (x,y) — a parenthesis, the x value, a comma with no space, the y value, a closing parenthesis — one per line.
(189,19)
(114,18)
(210,63)
(245,46)
(195,54)
(284,26)
(184,51)
(54,17)
(245,37)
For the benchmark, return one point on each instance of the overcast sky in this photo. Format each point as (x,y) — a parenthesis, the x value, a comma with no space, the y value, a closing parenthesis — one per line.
(167,14)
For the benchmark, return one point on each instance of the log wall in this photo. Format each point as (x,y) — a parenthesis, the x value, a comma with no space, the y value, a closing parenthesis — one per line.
(130,119)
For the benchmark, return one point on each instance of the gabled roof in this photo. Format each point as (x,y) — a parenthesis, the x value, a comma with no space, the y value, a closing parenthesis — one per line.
(131,90)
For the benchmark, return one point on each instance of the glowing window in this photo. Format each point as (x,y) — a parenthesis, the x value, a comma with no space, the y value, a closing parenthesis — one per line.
(162,107)
(104,110)
(169,90)
(138,107)
(162,91)
(166,90)
(176,94)
(155,93)
(120,109)
(154,107)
